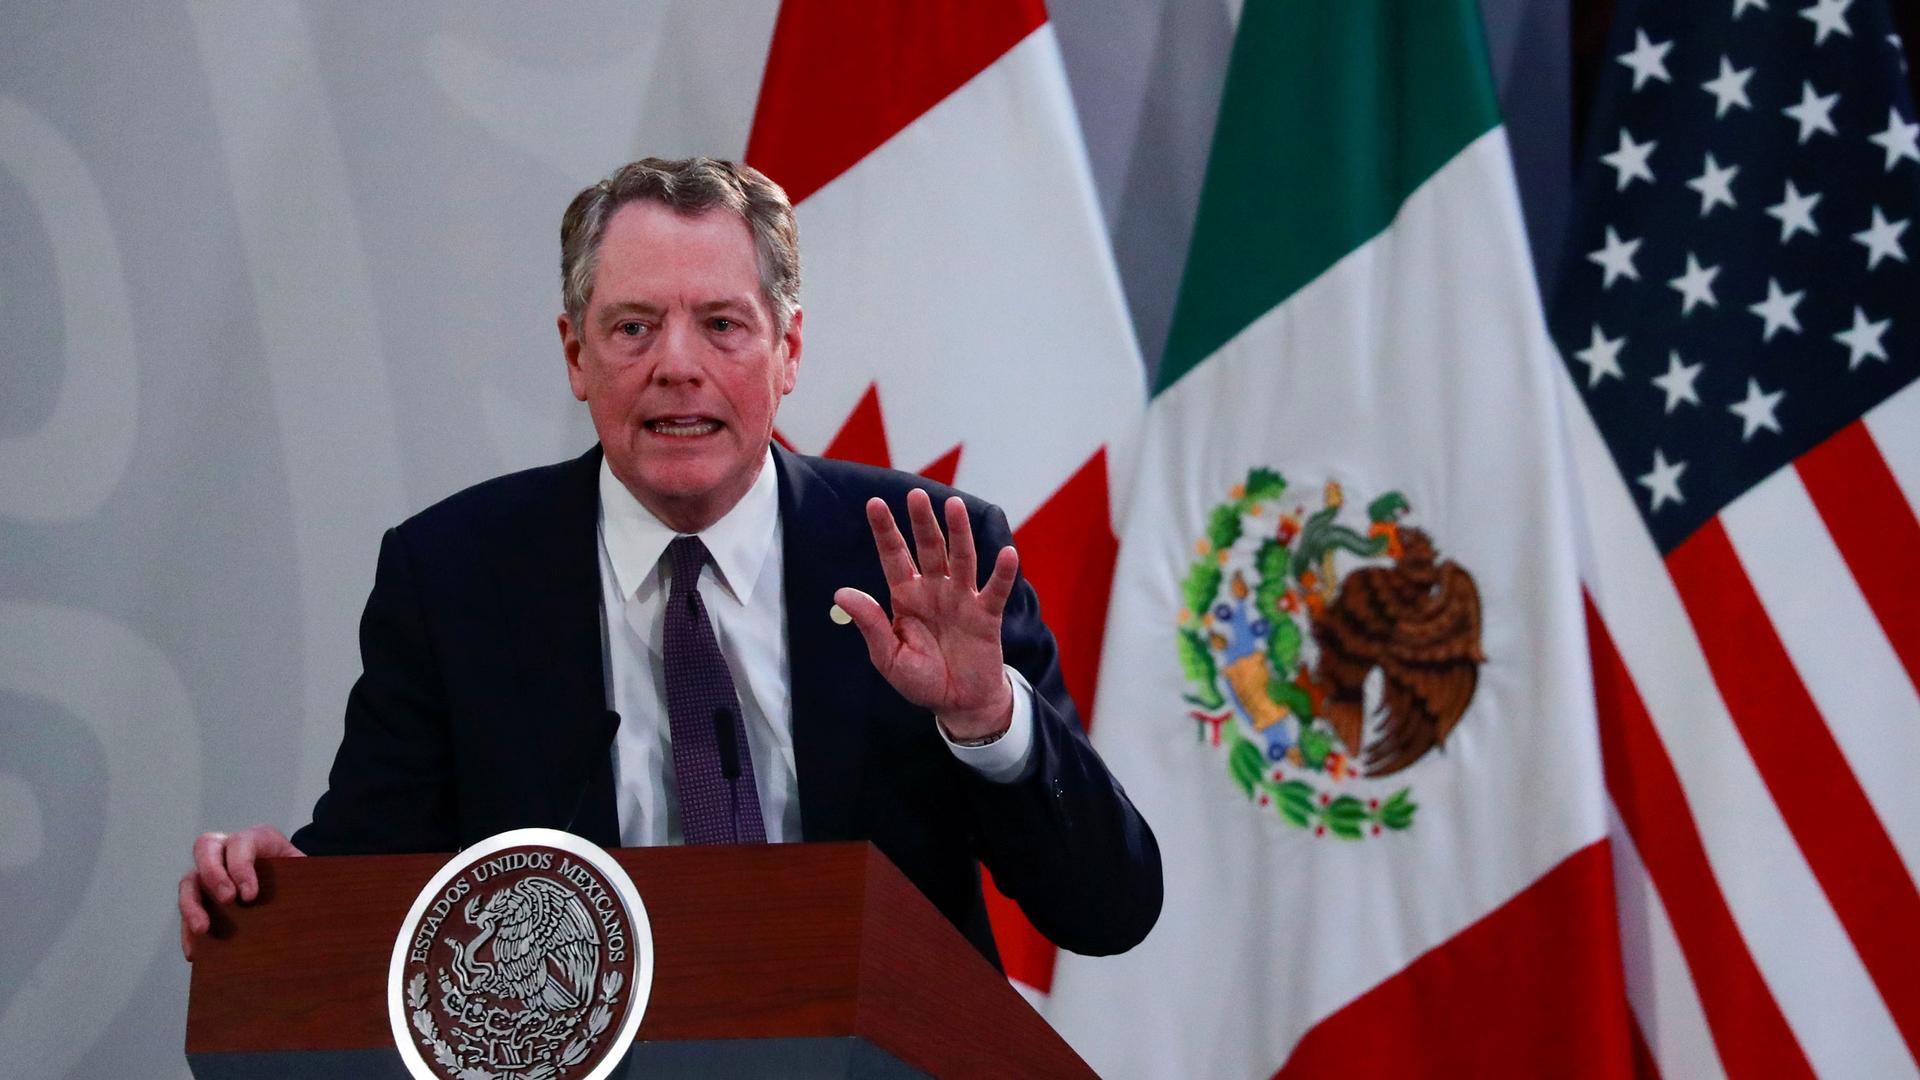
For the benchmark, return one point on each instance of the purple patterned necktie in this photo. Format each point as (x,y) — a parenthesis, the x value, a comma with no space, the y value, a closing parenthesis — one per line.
(711,766)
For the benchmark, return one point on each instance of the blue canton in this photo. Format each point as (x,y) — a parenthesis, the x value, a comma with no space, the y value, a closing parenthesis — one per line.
(1740,279)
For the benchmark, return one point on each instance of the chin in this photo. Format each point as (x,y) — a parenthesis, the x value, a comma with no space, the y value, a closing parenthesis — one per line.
(685,481)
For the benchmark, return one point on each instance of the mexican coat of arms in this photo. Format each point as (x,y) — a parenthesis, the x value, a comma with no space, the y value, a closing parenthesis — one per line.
(526,958)
(1323,653)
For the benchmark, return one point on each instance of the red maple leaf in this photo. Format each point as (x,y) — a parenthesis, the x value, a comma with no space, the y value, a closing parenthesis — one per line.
(1067,551)
(863,438)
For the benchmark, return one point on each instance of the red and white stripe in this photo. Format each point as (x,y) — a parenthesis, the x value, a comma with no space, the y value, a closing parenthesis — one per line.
(963,314)
(1760,725)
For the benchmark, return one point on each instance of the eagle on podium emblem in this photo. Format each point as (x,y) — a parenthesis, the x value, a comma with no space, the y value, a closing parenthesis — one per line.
(528,957)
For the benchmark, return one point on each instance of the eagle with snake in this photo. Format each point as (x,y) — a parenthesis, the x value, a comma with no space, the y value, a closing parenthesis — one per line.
(537,946)
(1417,621)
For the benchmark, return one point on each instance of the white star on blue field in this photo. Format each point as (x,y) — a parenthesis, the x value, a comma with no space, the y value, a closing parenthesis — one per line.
(1739,284)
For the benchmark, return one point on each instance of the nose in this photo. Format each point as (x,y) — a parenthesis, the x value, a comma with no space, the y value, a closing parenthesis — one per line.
(677,354)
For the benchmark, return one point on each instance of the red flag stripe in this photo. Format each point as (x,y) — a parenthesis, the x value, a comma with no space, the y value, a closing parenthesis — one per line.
(1875,529)
(1750,1034)
(1067,551)
(1644,1067)
(1025,953)
(1462,1009)
(1818,796)
(844,76)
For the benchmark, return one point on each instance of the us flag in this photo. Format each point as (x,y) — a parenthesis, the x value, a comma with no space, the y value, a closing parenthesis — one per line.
(1740,316)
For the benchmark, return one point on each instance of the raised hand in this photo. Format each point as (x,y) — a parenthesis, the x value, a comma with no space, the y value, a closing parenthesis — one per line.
(941,648)
(223,870)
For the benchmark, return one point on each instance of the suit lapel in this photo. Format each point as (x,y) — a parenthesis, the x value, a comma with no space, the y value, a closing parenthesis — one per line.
(825,545)
(551,590)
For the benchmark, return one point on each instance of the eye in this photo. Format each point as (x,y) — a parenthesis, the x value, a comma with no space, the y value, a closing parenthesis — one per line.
(722,323)
(631,328)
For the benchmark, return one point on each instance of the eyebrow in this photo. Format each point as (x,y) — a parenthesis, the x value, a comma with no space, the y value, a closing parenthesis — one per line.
(623,308)
(725,303)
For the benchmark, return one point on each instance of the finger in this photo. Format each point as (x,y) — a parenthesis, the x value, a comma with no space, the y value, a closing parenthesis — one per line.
(895,561)
(209,860)
(928,544)
(875,628)
(271,843)
(962,564)
(240,858)
(1000,585)
(193,914)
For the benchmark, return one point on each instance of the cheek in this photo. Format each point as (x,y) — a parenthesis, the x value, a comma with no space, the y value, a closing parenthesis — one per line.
(615,395)
(777,390)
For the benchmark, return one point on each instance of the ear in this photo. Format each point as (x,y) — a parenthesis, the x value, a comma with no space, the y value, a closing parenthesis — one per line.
(791,340)
(570,343)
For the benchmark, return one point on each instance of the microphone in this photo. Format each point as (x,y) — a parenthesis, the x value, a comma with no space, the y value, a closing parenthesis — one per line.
(729,762)
(598,756)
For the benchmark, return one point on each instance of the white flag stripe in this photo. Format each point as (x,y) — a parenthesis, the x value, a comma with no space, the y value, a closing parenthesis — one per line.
(963,266)
(1837,646)
(1781,911)
(1665,1004)
(1895,427)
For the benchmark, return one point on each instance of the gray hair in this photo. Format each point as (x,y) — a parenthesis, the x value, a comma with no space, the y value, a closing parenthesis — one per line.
(689,186)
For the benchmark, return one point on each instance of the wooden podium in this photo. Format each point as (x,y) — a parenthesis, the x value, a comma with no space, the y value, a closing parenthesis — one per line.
(791,960)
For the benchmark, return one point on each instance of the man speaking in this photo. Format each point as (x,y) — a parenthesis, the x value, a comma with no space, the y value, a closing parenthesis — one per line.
(650,644)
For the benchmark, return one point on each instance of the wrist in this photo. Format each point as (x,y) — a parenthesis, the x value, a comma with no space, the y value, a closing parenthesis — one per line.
(982,726)
(977,743)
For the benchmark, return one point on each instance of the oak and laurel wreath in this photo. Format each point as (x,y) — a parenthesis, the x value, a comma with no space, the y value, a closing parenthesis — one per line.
(1297,801)
(574,1052)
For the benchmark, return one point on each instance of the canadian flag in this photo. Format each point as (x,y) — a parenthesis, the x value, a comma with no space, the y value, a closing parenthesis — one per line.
(964,318)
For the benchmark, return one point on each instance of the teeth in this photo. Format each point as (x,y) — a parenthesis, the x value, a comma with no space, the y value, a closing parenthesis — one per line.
(683,426)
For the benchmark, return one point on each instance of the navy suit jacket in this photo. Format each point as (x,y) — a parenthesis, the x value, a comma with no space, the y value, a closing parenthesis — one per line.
(482,707)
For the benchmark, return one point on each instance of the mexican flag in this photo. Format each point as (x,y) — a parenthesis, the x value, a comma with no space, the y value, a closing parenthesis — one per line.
(1346,675)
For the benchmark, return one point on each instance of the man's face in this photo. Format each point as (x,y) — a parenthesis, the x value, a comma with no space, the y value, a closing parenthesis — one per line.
(679,360)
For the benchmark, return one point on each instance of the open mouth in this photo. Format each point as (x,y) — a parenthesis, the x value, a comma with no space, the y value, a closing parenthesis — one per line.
(683,427)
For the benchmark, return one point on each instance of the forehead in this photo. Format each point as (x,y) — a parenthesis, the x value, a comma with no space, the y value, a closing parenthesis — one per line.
(652,252)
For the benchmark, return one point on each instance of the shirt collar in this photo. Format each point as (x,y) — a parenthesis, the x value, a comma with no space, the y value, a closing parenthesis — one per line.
(739,542)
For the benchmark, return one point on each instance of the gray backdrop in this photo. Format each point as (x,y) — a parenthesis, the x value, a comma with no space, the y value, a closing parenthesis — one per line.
(275,274)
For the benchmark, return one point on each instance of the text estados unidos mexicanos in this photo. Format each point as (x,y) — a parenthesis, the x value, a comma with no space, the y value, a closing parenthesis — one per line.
(606,908)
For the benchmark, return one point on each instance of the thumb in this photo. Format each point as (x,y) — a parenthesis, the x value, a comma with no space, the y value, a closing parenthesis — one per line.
(871,620)
(276,845)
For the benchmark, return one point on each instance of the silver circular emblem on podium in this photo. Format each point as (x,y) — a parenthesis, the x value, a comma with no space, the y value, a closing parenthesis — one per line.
(527,957)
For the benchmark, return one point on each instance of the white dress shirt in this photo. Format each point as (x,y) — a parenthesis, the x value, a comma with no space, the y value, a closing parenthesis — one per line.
(744,595)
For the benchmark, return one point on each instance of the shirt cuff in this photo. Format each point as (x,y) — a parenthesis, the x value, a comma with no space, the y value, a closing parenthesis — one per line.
(1007,758)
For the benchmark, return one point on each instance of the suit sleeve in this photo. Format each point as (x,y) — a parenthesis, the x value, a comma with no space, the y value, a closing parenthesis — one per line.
(391,785)
(1065,842)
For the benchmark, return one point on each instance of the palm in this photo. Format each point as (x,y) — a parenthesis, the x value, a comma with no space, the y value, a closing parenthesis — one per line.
(941,647)
(946,654)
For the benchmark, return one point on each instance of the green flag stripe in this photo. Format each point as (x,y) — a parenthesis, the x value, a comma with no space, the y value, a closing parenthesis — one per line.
(1334,111)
